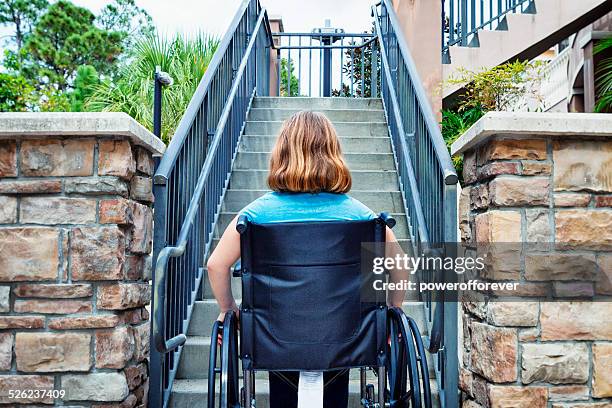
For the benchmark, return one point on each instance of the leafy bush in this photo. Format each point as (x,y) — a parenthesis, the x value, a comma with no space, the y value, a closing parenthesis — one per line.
(603,83)
(185,59)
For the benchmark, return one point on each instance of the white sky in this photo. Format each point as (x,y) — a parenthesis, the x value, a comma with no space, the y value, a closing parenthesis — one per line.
(190,16)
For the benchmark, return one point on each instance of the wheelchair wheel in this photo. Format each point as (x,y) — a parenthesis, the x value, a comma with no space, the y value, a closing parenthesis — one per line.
(408,376)
(223,375)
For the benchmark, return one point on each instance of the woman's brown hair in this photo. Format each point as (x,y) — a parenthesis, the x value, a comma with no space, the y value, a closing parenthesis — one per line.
(307,157)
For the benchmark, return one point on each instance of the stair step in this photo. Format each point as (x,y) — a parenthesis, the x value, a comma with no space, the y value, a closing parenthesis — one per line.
(194,393)
(317,103)
(389,201)
(265,143)
(384,180)
(335,115)
(378,129)
(400,229)
(355,161)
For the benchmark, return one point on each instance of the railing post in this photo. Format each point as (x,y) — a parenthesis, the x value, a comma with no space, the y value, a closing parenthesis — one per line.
(463,22)
(451,316)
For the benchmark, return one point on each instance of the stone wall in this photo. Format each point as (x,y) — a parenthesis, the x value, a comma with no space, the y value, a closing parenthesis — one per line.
(75,239)
(543,178)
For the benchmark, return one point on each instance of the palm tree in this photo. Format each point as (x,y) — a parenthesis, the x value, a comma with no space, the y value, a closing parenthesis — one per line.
(185,59)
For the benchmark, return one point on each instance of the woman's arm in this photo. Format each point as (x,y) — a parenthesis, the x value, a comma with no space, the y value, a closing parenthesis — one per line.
(392,249)
(219,264)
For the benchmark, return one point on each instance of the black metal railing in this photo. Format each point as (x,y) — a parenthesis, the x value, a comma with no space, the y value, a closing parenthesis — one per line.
(463,19)
(327,64)
(428,183)
(190,182)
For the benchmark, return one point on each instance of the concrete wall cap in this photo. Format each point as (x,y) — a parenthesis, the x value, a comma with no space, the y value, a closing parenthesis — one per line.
(39,124)
(533,124)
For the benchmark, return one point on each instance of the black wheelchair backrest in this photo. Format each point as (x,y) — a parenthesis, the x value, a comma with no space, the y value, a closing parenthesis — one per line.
(302,304)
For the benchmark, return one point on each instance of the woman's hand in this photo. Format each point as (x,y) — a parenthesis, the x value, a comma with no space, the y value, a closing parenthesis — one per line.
(221,318)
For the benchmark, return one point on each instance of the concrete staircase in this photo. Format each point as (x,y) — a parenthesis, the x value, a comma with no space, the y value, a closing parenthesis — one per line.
(524,35)
(362,128)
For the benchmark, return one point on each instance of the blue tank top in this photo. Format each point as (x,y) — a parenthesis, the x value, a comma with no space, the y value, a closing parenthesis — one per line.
(303,207)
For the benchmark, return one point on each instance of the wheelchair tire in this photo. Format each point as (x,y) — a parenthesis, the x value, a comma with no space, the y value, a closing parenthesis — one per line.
(223,374)
(407,364)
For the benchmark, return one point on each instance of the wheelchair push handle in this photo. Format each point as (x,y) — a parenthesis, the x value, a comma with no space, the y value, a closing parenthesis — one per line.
(387,219)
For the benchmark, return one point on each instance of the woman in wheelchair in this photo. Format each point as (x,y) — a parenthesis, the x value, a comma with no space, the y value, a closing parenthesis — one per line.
(309,180)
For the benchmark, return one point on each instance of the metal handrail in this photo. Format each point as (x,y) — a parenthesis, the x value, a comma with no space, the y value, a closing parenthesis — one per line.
(179,249)
(428,185)
(463,19)
(191,180)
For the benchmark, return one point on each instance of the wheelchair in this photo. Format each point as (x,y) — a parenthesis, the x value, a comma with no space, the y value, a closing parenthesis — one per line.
(303,309)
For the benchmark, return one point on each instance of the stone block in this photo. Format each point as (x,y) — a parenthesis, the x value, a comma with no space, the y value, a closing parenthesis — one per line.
(30,186)
(52,306)
(527,335)
(95,387)
(22,322)
(142,234)
(498,226)
(54,291)
(573,289)
(536,168)
(52,352)
(523,314)
(96,186)
(116,211)
(135,375)
(555,363)
(23,383)
(602,370)
(114,348)
(603,286)
(479,197)
(494,352)
(560,266)
(141,189)
(519,191)
(582,165)
(568,393)
(501,396)
(141,341)
(116,159)
(8,158)
(497,168)
(122,296)
(5,299)
(575,321)
(513,149)
(29,254)
(85,322)
(572,199)
(6,351)
(8,210)
(464,215)
(97,253)
(57,210)
(584,229)
(603,201)
(144,161)
(56,157)
(469,167)
(538,228)
(134,267)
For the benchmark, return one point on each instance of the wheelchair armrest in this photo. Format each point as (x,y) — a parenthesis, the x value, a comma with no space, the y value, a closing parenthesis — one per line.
(389,220)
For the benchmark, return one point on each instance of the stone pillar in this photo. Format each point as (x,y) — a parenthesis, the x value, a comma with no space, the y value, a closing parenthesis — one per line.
(75,243)
(545,178)
(276,25)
